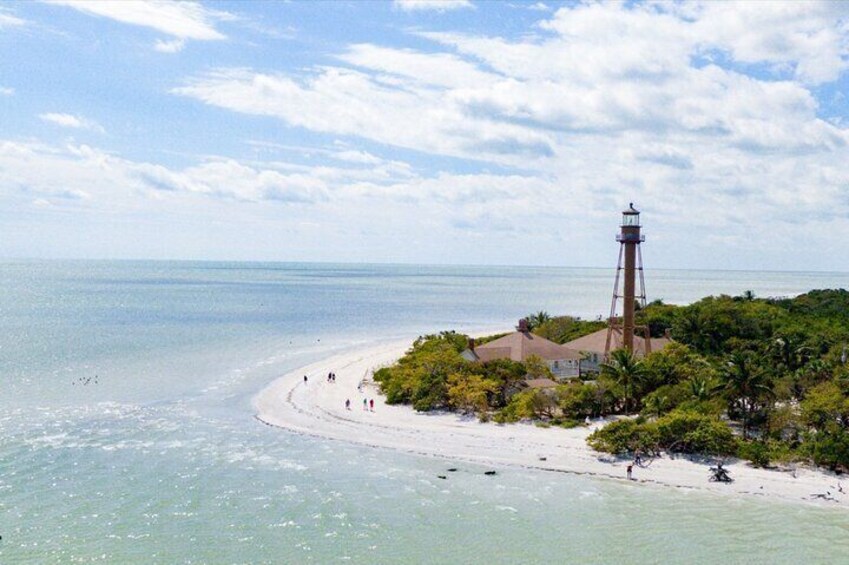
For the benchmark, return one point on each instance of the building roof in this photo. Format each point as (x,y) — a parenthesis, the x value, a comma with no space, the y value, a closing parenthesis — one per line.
(595,342)
(518,346)
(540,383)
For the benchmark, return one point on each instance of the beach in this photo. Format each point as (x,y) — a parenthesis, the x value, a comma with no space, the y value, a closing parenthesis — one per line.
(317,408)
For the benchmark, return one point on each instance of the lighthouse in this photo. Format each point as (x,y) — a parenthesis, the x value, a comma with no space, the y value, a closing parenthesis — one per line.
(629,267)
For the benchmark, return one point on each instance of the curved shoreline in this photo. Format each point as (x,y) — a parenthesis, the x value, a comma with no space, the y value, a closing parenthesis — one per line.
(317,408)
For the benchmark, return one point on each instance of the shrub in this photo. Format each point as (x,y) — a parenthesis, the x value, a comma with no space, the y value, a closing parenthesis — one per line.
(757,452)
(624,436)
(686,432)
(578,400)
(829,449)
(530,403)
(691,432)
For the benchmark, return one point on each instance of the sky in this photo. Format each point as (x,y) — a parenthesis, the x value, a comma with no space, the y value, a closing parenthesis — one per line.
(409,131)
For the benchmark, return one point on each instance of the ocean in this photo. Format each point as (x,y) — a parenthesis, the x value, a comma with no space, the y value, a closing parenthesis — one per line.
(127,433)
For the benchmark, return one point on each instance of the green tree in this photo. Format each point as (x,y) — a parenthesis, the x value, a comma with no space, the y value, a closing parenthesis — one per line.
(656,404)
(538,319)
(561,329)
(509,376)
(537,368)
(470,393)
(746,385)
(626,370)
(788,352)
(701,388)
(826,407)
(579,400)
(530,403)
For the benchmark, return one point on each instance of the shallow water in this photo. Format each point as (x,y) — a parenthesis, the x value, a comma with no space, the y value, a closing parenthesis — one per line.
(128,436)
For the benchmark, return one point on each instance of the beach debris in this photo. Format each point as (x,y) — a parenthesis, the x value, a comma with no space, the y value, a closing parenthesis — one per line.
(490,473)
(719,474)
(543,458)
(452,470)
(442,476)
(85,381)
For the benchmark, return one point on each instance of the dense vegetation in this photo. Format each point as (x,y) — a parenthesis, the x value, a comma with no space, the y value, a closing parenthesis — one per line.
(762,379)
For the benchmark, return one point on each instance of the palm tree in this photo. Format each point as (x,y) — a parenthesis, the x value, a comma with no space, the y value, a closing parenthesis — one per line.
(624,368)
(789,353)
(746,385)
(694,330)
(656,404)
(538,319)
(700,388)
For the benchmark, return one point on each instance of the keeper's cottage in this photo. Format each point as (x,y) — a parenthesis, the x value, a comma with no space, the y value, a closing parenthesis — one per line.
(565,363)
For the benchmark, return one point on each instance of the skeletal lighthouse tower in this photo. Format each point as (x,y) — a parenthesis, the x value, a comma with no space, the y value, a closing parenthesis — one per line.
(620,332)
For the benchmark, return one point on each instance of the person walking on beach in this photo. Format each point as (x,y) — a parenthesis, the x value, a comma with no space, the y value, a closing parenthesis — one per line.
(305,379)
(371,404)
(348,404)
(628,470)
(365,404)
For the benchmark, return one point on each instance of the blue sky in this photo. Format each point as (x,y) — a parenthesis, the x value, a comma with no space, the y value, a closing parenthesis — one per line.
(435,132)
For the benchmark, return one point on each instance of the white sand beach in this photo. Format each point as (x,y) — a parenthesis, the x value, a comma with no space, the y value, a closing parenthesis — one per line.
(317,408)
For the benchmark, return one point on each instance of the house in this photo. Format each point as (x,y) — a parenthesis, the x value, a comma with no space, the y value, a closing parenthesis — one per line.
(564,362)
(592,347)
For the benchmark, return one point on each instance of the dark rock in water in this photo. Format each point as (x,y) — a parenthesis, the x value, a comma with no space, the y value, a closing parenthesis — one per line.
(442,476)
(489,473)
(452,469)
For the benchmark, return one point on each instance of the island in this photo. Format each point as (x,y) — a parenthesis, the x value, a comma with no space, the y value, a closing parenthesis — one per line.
(759,384)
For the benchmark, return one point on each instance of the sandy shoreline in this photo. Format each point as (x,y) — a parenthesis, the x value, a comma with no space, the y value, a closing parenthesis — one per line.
(317,408)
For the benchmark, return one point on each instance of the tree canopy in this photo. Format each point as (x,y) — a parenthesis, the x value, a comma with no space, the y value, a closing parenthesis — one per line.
(765,379)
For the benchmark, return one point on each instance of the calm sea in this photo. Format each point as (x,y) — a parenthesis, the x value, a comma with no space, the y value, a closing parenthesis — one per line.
(127,435)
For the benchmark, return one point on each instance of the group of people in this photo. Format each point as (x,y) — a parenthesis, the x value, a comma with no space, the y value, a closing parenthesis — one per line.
(368,404)
(638,460)
(331,378)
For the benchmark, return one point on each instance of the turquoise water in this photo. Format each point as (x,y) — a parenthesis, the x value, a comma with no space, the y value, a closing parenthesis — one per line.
(127,436)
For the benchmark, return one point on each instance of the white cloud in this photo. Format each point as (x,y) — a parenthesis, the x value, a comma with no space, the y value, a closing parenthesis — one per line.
(7,20)
(354,156)
(345,101)
(173,46)
(809,38)
(608,103)
(181,20)
(431,5)
(437,69)
(706,117)
(7,91)
(70,121)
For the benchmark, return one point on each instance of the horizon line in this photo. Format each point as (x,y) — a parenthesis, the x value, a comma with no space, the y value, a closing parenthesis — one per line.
(390,264)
